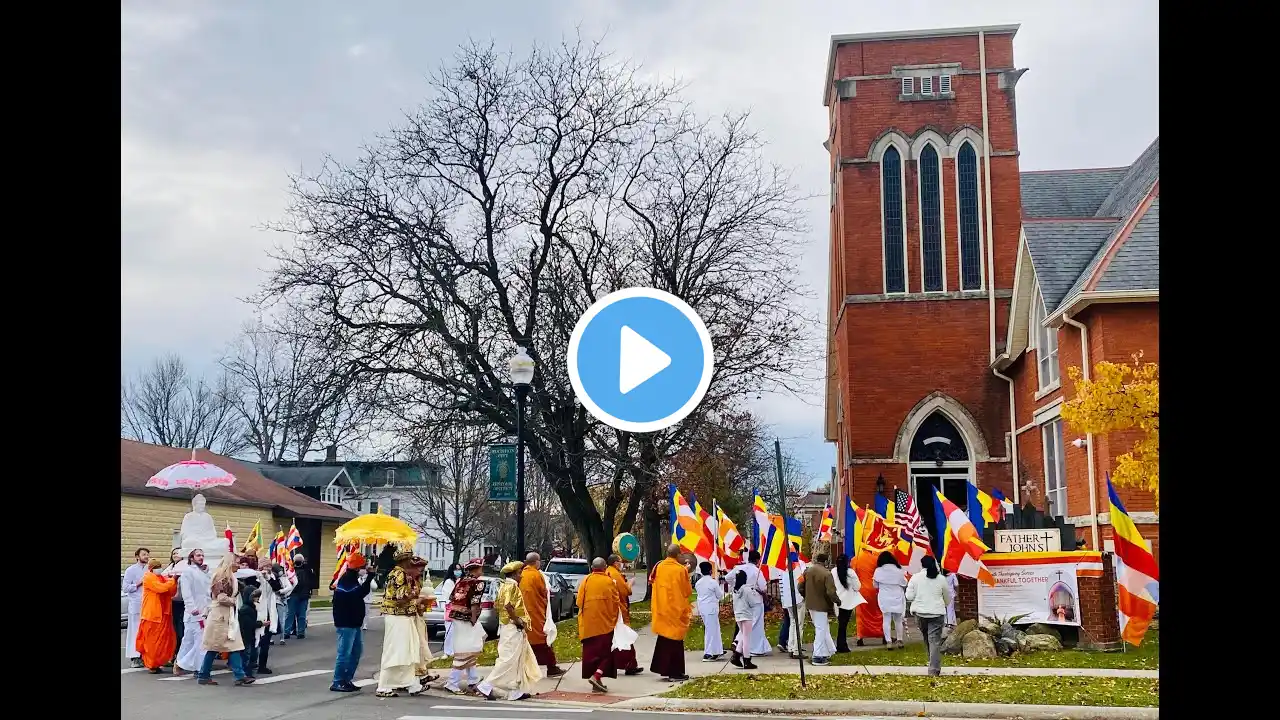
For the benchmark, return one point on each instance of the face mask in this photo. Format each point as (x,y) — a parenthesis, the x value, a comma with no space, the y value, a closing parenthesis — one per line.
(457,573)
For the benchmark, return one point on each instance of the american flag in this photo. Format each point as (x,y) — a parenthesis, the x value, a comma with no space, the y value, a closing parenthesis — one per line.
(908,519)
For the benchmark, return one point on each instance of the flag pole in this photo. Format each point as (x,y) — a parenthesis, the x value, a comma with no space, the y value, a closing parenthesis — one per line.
(786,548)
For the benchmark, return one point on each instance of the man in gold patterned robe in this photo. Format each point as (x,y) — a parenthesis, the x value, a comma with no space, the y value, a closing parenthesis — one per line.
(403,645)
(517,670)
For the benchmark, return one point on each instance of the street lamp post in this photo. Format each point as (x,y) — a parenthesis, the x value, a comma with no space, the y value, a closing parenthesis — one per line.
(521,367)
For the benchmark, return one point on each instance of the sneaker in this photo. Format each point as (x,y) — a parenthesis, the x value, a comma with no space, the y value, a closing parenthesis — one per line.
(781,647)
(352,687)
(597,685)
(206,681)
(677,678)
(748,665)
(344,688)
(901,645)
(265,671)
(135,663)
(718,658)
(821,661)
(633,671)
(707,658)
(736,660)
(244,681)
(556,671)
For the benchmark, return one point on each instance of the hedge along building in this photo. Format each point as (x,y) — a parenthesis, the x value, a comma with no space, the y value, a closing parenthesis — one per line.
(152,518)
(961,289)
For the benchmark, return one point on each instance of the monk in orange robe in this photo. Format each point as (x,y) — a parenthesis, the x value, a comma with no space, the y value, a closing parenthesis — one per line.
(533,589)
(624,660)
(869,618)
(156,639)
(598,608)
(671,614)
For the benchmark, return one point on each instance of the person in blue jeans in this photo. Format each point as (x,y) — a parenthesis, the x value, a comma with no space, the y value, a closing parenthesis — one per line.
(300,599)
(348,618)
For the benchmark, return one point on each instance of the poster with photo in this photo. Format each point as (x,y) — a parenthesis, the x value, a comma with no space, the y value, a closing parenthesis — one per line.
(1045,593)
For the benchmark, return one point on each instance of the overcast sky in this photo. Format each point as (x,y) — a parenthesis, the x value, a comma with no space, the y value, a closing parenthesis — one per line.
(221,100)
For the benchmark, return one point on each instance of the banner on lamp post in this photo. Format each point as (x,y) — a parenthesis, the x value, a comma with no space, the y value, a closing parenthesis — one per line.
(502,473)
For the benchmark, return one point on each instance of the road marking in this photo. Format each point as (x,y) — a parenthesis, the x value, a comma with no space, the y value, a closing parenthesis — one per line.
(290,676)
(126,671)
(176,678)
(516,708)
(365,682)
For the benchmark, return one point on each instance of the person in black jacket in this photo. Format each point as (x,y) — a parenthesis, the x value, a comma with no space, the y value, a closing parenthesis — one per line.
(247,616)
(348,617)
(300,599)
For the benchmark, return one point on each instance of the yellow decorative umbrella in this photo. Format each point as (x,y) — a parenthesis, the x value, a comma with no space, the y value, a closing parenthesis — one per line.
(375,529)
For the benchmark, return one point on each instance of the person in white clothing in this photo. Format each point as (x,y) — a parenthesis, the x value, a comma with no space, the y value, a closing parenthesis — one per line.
(131,585)
(194,585)
(758,644)
(891,582)
(446,589)
(929,595)
(276,586)
(709,596)
(745,600)
(849,591)
(792,608)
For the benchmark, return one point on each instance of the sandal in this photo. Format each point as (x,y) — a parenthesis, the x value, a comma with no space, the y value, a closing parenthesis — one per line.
(386,694)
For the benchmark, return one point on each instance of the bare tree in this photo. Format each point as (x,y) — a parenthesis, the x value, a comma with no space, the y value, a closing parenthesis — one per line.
(517,195)
(296,393)
(164,405)
(450,506)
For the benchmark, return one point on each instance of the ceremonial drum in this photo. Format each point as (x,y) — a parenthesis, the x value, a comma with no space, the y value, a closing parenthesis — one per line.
(627,547)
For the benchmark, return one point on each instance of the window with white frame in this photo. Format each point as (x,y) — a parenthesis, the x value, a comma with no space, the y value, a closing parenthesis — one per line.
(926,85)
(391,476)
(944,84)
(1046,344)
(395,507)
(908,86)
(1055,468)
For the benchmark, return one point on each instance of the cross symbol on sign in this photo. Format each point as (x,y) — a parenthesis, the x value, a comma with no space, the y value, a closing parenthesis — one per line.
(1059,574)
(1046,537)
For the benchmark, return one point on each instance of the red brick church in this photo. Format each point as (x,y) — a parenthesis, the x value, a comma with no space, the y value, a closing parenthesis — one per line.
(962,288)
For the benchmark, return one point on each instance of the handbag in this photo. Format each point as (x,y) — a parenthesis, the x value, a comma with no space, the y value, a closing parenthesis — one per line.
(623,636)
(549,627)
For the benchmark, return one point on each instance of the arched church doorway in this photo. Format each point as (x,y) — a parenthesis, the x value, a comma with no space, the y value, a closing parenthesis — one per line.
(939,460)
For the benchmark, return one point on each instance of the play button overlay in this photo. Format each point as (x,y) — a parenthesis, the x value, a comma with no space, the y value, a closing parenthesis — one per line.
(640,359)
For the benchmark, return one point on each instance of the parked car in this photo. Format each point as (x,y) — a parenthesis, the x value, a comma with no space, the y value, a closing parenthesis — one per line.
(564,599)
(488,614)
(573,569)
(124,604)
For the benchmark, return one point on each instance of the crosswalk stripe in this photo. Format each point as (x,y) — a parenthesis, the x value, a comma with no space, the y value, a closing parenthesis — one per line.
(365,682)
(516,708)
(267,680)
(177,678)
(126,671)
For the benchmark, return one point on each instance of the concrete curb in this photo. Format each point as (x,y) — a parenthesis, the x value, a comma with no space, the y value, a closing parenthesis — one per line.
(890,707)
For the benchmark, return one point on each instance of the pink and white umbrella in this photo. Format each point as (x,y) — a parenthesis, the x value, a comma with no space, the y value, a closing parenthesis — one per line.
(191,474)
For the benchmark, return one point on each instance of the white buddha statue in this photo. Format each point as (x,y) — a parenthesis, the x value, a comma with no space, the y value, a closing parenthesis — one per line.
(199,532)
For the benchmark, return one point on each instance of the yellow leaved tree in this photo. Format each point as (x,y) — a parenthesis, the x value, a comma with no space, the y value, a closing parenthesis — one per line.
(1119,398)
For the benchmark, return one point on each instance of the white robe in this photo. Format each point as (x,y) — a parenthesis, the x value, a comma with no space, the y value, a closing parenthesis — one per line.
(517,670)
(194,585)
(759,644)
(130,586)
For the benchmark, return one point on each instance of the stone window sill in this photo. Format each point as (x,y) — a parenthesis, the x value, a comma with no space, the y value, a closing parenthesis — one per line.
(918,97)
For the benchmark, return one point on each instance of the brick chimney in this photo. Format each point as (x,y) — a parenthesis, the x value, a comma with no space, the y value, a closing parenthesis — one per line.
(331,453)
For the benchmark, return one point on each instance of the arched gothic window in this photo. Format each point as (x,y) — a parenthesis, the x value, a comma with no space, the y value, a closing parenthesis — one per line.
(931,219)
(970,232)
(895,270)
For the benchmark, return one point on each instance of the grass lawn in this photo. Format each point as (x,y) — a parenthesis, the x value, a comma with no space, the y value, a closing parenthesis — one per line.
(1113,692)
(1145,657)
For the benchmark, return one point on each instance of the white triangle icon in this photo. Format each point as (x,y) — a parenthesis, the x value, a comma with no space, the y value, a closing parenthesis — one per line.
(639,361)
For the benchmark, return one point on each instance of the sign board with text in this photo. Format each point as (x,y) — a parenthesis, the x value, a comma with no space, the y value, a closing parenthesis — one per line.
(1042,540)
(502,473)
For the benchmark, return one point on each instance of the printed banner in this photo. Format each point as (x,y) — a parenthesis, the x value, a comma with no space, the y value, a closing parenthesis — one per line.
(1042,586)
(502,473)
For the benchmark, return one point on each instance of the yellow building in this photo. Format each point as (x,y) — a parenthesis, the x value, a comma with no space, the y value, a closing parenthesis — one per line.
(151,518)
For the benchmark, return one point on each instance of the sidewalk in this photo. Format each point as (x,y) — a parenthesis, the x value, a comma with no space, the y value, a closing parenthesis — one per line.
(642,688)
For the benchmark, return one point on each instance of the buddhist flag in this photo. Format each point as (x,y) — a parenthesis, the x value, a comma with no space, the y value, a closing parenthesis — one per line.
(1137,577)
(344,552)
(760,524)
(706,548)
(984,510)
(293,540)
(277,551)
(825,524)
(255,536)
(731,542)
(1006,507)
(962,548)
(686,528)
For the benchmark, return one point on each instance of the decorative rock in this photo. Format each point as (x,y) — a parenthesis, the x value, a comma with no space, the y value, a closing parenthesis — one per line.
(1041,643)
(1042,629)
(977,646)
(951,644)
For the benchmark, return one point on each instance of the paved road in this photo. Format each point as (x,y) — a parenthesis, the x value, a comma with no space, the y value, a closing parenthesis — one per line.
(299,687)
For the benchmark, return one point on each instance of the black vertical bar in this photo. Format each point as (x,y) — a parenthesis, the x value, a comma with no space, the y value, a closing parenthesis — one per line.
(786,549)
(520,398)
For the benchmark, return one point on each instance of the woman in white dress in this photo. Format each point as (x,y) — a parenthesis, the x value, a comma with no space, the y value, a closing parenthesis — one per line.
(891,582)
